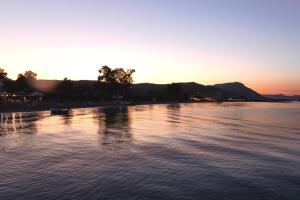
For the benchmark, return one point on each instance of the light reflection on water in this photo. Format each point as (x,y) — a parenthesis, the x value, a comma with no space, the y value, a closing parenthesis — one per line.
(177,151)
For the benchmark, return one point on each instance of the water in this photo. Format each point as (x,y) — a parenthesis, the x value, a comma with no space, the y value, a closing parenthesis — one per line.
(179,151)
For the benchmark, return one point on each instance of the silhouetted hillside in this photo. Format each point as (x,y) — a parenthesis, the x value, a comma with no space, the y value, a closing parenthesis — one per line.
(282,97)
(190,88)
(150,90)
(194,88)
(143,88)
(241,91)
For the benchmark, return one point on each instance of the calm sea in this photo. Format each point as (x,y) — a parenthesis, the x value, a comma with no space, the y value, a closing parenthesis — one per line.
(177,151)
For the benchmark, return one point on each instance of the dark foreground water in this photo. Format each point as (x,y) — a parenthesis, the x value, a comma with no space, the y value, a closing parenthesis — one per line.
(182,151)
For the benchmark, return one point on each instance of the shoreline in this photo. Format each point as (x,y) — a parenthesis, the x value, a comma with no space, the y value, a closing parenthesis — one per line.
(76,105)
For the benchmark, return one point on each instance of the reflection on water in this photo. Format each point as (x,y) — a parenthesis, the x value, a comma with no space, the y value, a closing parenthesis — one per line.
(177,151)
(18,123)
(173,113)
(114,126)
(67,119)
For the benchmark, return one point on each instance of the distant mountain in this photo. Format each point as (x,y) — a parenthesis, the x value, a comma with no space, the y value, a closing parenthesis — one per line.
(195,88)
(240,91)
(223,91)
(282,97)
(191,88)
(143,88)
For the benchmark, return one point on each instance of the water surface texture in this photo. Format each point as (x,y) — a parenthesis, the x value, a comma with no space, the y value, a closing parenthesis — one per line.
(178,151)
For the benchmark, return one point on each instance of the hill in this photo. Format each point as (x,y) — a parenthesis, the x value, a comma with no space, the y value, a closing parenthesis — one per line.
(222,91)
(190,88)
(283,97)
(241,91)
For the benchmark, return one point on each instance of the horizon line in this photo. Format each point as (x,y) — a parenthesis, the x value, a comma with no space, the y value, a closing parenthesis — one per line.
(176,82)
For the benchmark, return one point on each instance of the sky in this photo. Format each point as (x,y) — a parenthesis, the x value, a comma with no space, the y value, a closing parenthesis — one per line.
(256,42)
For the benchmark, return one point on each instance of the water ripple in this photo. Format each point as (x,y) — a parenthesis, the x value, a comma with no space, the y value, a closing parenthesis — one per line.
(177,151)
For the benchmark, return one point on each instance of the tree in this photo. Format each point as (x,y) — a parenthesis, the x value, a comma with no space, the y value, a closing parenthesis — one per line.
(115,81)
(30,75)
(65,88)
(174,91)
(106,75)
(3,73)
(115,76)
(21,83)
(25,81)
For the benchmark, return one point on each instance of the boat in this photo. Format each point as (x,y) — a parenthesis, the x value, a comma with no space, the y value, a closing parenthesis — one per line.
(63,111)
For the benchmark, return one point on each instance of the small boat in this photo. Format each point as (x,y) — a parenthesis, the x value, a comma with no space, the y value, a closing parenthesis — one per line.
(64,111)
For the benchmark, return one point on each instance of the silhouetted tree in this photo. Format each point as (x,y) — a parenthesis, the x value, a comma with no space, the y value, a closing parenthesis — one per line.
(9,85)
(66,85)
(174,92)
(115,81)
(66,88)
(115,76)
(6,84)
(30,75)
(3,73)
(106,75)
(24,81)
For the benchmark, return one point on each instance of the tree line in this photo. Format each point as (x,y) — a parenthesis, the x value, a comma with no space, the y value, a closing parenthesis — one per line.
(111,84)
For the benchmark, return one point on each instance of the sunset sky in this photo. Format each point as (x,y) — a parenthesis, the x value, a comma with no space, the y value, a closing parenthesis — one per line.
(256,42)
